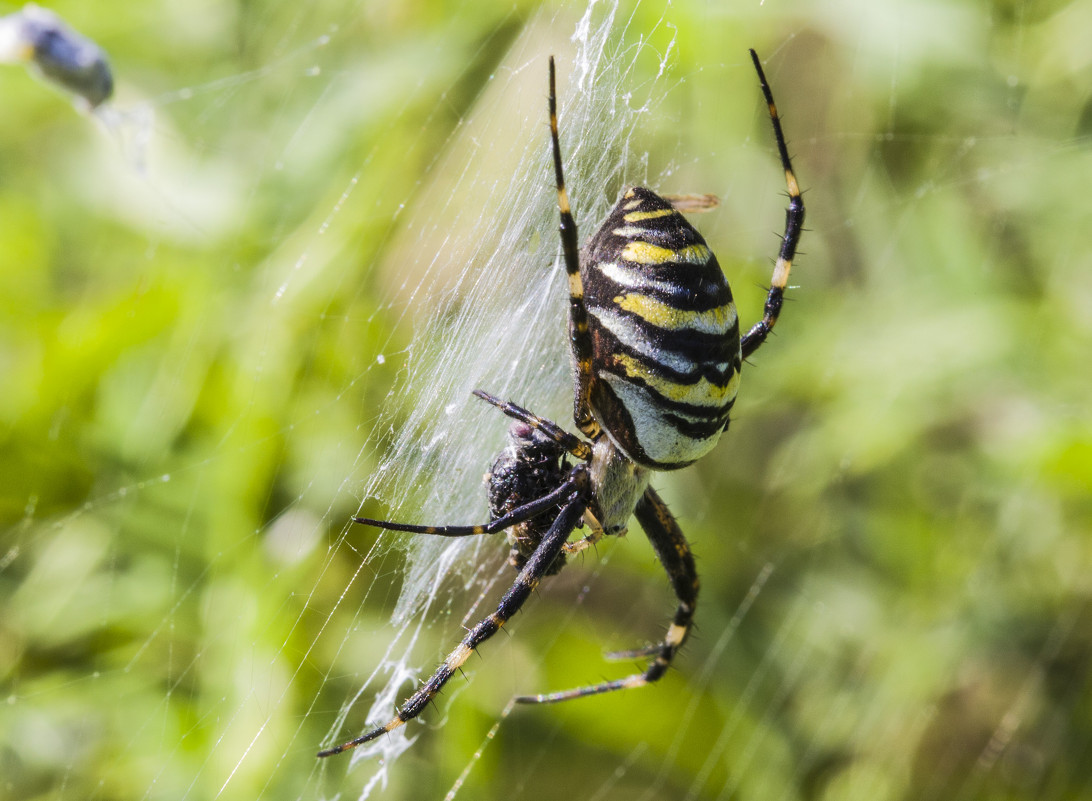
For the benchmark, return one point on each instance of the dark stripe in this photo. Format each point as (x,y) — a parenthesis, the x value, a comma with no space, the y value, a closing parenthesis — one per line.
(703,352)
(667,405)
(710,419)
(716,376)
(420,699)
(617,420)
(666,232)
(681,285)
(700,430)
(519,591)
(670,231)
(483,630)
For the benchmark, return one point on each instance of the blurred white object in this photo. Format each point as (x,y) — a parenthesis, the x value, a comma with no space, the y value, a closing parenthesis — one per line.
(59,54)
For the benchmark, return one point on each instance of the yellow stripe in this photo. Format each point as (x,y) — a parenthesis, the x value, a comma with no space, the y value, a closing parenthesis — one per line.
(576,286)
(637,216)
(659,314)
(694,254)
(794,188)
(645,253)
(703,393)
(675,635)
(563,201)
(781,274)
(457,657)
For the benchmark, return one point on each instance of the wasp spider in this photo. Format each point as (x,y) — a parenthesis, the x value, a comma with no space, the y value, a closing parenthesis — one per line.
(657,353)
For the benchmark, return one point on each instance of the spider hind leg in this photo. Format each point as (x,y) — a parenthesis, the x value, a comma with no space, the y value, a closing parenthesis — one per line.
(528,579)
(674,554)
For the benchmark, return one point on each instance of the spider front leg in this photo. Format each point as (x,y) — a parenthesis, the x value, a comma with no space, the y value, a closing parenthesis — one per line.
(794,226)
(579,337)
(674,553)
(537,565)
(519,515)
(571,443)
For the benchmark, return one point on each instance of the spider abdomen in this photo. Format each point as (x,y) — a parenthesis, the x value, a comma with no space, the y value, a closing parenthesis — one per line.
(664,330)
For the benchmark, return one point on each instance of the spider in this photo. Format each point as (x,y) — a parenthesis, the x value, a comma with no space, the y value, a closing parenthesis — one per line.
(657,353)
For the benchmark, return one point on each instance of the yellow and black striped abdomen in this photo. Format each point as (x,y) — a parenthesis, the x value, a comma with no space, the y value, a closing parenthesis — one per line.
(665,334)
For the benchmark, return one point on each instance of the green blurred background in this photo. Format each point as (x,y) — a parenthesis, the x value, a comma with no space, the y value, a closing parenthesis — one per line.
(893,538)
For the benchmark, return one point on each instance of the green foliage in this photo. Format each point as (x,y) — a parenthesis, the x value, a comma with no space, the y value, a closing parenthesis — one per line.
(191,377)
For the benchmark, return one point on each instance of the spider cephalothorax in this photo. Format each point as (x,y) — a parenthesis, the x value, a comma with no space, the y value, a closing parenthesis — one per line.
(657,354)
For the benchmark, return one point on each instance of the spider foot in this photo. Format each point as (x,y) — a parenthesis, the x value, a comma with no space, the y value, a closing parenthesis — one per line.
(582,544)
(364,738)
(635,653)
(636,680)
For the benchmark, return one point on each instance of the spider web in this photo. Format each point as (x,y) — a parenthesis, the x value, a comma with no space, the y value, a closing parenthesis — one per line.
(502,325)
(250,297)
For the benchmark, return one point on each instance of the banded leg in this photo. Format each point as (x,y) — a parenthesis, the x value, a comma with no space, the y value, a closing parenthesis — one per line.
(794,225)
(513,600)
(579,337)
(587,541)
(518,515)
(674,553)
(570,442)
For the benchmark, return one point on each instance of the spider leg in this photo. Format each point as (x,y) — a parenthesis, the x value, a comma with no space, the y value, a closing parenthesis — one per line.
(633,653)
(570,442)
(579,337)
(517,515)
(525,583)
(589,540)
(585,542)
(794,225)
(674,553)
